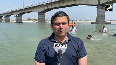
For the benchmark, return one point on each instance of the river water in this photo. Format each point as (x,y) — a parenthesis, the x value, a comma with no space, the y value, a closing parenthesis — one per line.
(18,42)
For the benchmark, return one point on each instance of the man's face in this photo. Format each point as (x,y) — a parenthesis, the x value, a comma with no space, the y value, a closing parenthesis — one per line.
(60,26)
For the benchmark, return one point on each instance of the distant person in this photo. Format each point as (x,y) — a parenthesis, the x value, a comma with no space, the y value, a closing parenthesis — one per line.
(60,48)
(72,24)
(90,37)
(103,30)
(73,30)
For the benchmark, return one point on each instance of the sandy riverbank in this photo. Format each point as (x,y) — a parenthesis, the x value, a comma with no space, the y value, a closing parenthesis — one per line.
(24,21)
(79,21)
(87,21)
(70,21)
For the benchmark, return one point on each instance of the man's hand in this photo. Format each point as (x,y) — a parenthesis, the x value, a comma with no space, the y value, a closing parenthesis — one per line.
(37,63)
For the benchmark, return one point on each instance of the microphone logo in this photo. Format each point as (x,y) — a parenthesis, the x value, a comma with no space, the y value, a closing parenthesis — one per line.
(60,49)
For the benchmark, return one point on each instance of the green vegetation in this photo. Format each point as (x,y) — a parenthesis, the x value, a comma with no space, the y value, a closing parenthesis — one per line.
(29,19)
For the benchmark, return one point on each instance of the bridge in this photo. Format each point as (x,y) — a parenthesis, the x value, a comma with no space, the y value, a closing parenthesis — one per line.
(48,6)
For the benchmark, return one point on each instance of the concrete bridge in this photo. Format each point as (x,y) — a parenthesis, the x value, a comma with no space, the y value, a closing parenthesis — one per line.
(48,6)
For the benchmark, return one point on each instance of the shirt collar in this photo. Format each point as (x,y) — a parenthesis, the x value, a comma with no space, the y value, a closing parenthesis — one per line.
(54,40)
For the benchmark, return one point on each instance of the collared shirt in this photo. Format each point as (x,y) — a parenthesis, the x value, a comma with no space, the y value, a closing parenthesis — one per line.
(46,52)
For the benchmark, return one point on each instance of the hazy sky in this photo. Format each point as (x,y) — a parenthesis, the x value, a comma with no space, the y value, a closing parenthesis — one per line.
(81,12)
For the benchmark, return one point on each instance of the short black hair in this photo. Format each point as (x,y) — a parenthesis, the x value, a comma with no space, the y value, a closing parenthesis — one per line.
(59,14)
(89,35)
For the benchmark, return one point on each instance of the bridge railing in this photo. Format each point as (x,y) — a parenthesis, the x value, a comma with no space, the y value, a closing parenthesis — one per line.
(32,5)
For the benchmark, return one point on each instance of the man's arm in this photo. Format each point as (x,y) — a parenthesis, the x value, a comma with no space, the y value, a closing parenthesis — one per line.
(71,29)
(37,63)
(82,61)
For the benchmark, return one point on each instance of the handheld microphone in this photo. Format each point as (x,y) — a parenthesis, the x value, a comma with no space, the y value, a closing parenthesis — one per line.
(60,49)
(59,56)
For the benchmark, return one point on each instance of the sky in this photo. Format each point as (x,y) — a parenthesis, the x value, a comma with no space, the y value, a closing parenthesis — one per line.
(81,12)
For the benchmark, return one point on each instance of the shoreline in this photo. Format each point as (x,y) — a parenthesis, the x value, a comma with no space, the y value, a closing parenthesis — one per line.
(69,21)
(86,21)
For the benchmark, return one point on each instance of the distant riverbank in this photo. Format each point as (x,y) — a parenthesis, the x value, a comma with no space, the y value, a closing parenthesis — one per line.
(70,21)
(87,21)
(23,21)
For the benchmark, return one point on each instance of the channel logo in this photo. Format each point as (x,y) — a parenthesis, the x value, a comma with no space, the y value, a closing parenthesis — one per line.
(108,7)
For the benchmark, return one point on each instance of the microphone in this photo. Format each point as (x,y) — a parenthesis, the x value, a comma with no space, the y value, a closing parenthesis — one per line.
(59,56)
(60,49)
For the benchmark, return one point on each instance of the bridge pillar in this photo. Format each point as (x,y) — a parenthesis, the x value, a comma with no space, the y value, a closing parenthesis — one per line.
(1,18)
(100,19)
(19,18)
(41,17)
(7,18)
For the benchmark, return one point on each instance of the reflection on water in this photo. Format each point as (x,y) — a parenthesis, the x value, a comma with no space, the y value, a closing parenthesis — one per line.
(18,42)
(105,34)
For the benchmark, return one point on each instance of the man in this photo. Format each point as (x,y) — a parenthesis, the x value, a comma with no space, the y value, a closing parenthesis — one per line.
(72,24)
(103,30)
(60,48)
(73,30)
(89,37)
